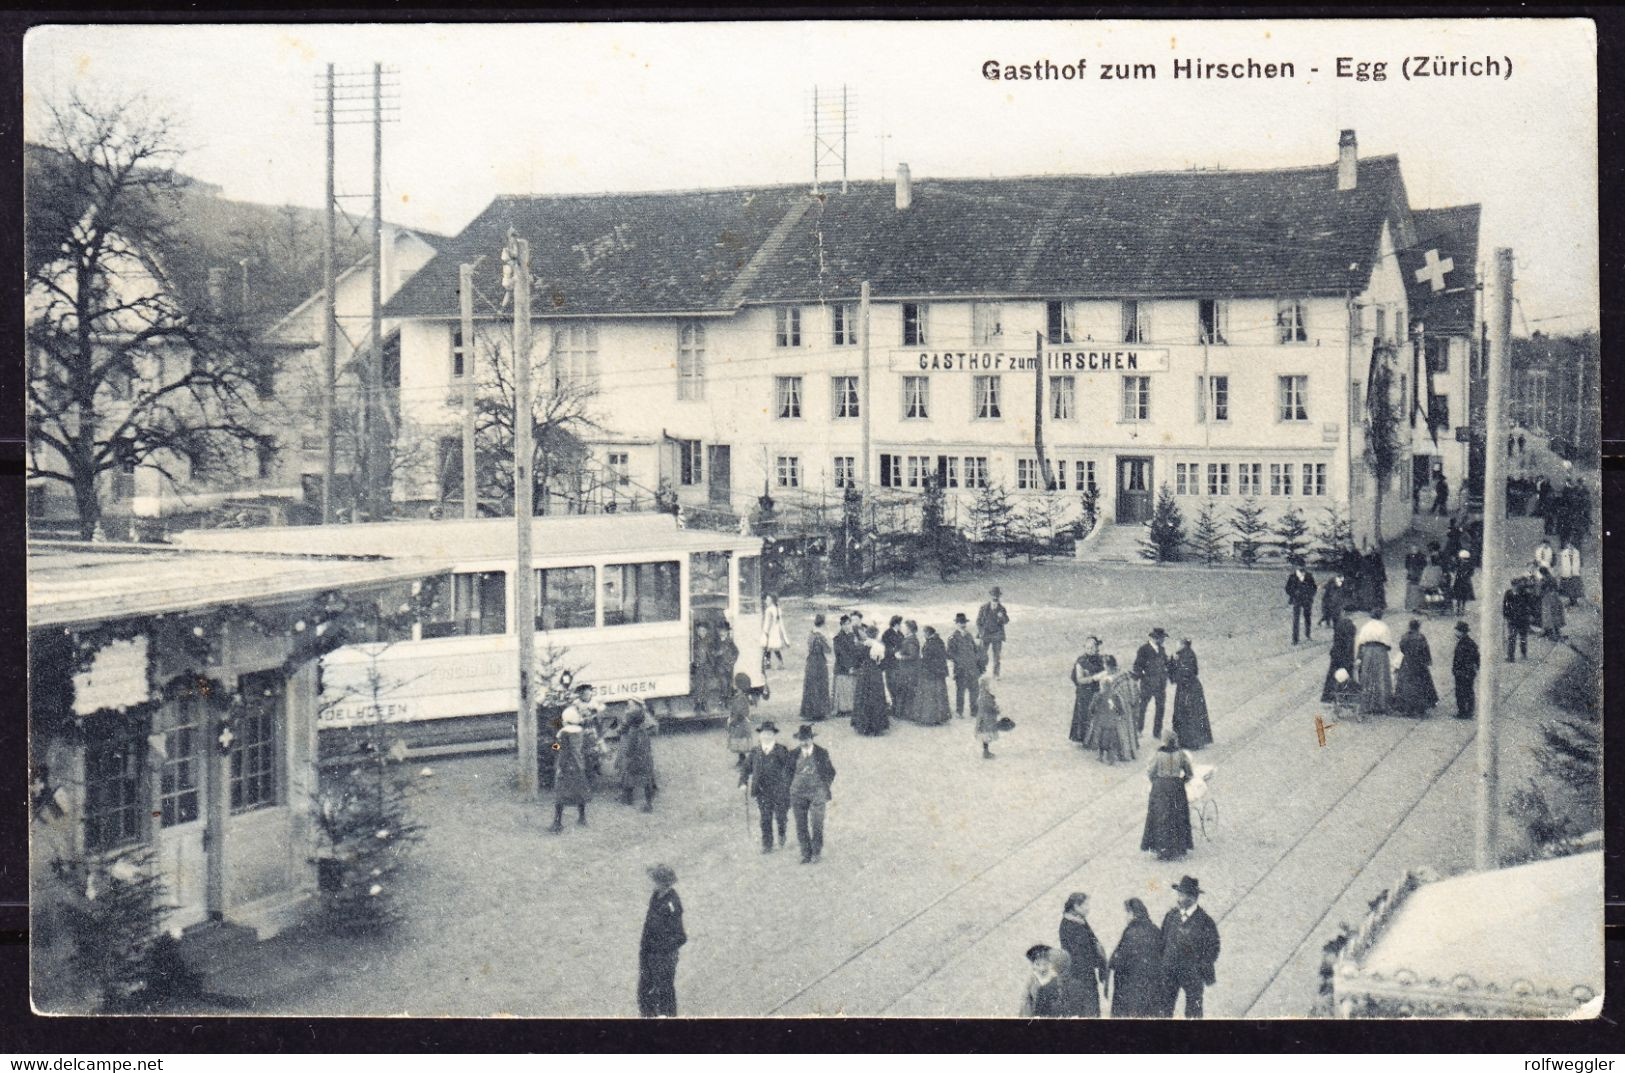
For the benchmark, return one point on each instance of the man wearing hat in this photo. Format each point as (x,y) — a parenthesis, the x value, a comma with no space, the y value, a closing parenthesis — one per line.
(766,777)
(663,936)
(810,779)
(1465,668)
(1300,597)
(1151,668)
(1518,608)
(991,620)
(967,664)
(1190,946)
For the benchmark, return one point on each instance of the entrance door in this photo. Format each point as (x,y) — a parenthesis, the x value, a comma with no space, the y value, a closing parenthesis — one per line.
(1133,490)
(181,813)
(1421,481)
(719,462)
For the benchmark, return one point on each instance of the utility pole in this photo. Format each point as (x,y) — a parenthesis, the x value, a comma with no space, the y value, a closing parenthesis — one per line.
(518,257)
(1038,409)
(376,428)
(329,321)
(465,295)
(864,407)
(843,137)
(1492,577)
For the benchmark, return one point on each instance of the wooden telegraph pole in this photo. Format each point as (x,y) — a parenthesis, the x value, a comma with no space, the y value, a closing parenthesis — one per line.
(329,321)
(518,257)
(465,295)
(1492,575)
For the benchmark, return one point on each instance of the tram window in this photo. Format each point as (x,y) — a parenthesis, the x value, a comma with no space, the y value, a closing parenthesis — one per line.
(642,592)
(564,598)
(750,585)
(479,605)
(708,573)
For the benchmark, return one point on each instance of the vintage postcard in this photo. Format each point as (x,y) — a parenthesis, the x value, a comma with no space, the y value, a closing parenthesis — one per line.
(1020,519)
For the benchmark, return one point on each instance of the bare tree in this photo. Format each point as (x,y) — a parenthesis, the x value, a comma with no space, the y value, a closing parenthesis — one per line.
(1383,446)
(126,366)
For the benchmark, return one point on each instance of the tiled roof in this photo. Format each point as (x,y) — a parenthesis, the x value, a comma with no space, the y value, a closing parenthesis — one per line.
(1190,233)
(1453,232)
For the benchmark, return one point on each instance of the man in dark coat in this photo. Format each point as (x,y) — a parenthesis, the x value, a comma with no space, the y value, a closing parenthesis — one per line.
(991,619)
(1190,946)
(812,773)
(1151,668)
(1300,596)
(1518,609)
(1464,666)
(663,936)
(1441,495)
(967,664)
(766,777)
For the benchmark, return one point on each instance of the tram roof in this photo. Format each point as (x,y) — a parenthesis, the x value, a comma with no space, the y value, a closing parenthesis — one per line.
(460,540)
(73,583)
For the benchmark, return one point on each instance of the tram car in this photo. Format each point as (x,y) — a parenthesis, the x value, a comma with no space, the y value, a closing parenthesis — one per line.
(630,603)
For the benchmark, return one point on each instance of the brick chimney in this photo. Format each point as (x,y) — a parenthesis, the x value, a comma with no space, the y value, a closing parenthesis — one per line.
(905,188)
(1348,161)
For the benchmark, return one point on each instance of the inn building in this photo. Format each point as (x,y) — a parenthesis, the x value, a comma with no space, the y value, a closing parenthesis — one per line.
(1211,331)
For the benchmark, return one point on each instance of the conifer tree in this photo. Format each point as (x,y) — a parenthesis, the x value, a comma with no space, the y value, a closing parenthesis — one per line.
(1249,526)
(1207,539)
(1291,534)
(1165,532)
(993,516)
(1332,535)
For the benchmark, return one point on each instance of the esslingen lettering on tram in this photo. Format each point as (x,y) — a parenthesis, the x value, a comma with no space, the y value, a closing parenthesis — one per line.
(1249,68)
(1041,71)
(1462,67)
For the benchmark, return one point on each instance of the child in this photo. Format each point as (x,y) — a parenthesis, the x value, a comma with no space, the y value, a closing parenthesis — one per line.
(987,714)
(741,733)
(635,761)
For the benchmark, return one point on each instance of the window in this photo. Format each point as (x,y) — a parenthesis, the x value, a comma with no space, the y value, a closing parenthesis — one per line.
(1249,478)
(1218,478)
(120,384)
(1085,471)
(1438,411)
(976,471)
(565,598)
(916,398)
(689,472)
(1213,321)
(1212,398)
(1280,478)
(1294,398)
(1437,352)
(478,605)
(844,390)
(124,481)
(1056,472)
(1291,324)
(642,592)
(1357,481)
(914,331)
(787,471)
(1063,398)
(1058,321)
(787,326)
(254,747)
(182,723)
(846,471)
(620,466)
(115,761)
(691,362)
(843,319)
(891,471)
(1136,321)
(1381,331)
(575,355)
(986,323)
(459,363)
(985,391)
(1136,398)
(948,471)
(1026,474)
(787,396)
(1185,483)
(1314,478)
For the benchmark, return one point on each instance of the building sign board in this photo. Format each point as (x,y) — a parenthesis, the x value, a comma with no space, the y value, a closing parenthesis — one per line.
(1059,360)
(116,678)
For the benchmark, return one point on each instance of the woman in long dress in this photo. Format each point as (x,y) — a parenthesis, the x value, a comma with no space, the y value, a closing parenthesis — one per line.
(1088,967)
(1568,573)
(1085,687)
(869,716)
(570,771)
(1111,734)
(931,689)
(1372,647)
(1551,606)
(906,671)
(741,730)
(1375,575)
(1168,810)
(1414,694)
(1136,965)
(815,699)
(773,639)
(1190,700)
(635,759)
(1461,585)
(1415,563)
(848,652)
(1342,659)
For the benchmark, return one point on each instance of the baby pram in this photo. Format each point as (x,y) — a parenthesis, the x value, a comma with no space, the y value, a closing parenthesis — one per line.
(1435,586)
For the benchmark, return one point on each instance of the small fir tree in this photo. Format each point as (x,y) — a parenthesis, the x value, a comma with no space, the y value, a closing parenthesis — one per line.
(1207,539)
(1249,526)
(1165,532)
(1089,504)
(1332,536)
(1292,535)
(114,911)
(993,515)
(1564,801)
(1039,521)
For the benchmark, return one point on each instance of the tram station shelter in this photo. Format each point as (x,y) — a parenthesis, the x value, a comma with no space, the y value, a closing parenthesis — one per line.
(172,728)
(1213,331)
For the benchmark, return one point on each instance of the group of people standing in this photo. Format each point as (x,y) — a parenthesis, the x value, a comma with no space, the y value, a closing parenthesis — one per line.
(1109,702)
(1565,512)
(1145,974)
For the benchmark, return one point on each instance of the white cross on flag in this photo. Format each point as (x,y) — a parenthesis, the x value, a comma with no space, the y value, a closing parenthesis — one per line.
(1434,270)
